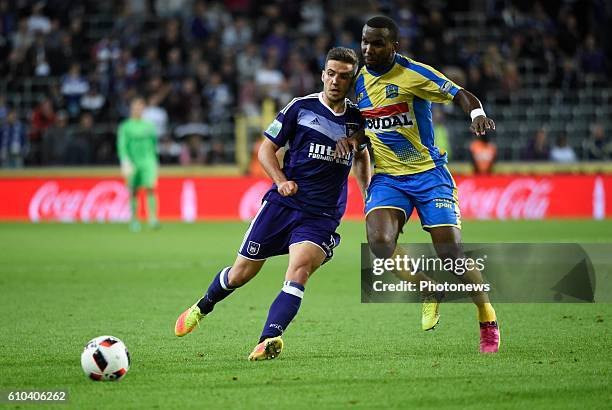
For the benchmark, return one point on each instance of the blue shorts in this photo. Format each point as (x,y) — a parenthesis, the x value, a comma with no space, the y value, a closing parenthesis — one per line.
(276,227)
(433,193)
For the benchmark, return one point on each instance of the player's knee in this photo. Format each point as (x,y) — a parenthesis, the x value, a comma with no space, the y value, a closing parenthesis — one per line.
(382,243)
(299,274)
(450,251)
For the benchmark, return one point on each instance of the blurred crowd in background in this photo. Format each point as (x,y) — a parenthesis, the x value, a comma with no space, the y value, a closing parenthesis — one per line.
(69,69)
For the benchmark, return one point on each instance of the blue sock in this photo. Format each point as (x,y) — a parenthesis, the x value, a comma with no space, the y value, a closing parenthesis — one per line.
(217,291)
(283,310)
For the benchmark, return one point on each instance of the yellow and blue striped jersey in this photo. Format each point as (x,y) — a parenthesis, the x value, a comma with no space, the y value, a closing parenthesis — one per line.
(396,106)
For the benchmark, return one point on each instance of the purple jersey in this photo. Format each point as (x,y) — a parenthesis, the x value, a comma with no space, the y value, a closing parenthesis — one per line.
(311,130)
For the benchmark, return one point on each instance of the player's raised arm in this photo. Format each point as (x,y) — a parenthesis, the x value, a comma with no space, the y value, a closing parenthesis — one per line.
(471,105)
(269,162)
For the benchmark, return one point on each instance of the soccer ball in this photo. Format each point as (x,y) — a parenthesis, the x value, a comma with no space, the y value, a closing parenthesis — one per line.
(105,358)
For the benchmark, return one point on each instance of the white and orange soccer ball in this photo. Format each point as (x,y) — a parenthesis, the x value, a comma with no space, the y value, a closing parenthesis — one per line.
(105,358)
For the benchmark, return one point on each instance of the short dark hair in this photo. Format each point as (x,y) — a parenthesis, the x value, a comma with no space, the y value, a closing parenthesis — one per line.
(346,55)
(385,22)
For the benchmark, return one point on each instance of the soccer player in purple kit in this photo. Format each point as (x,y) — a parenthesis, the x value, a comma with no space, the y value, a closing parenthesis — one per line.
(394,94)
(300,213)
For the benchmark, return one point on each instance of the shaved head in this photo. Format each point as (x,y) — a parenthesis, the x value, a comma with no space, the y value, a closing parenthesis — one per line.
(383,22)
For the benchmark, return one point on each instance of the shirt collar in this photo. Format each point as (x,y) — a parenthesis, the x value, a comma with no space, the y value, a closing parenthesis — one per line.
(337,114)
(384,70)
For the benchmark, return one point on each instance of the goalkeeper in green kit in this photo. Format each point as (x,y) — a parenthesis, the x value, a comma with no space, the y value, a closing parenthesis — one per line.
(137,150)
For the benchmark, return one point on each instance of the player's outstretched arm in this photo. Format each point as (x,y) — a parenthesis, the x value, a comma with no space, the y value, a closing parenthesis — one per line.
(472,106)
(269,162)
(362,170)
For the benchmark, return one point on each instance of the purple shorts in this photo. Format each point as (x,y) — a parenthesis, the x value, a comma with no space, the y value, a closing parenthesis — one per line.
(276,227)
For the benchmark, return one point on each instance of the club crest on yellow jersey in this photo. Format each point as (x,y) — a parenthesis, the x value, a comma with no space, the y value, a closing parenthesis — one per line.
(391,91)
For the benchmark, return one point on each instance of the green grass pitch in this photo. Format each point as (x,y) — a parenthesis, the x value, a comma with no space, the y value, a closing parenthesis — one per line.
(62,285)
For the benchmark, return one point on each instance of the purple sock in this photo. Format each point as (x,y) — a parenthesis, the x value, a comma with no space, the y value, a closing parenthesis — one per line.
(283,310)
(217,291)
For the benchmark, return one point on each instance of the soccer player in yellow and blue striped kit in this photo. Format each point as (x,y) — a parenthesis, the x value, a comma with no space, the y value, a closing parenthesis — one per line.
(394,94)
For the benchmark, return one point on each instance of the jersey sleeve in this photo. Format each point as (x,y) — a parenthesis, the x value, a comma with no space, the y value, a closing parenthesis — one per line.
(284,125)
(429,84)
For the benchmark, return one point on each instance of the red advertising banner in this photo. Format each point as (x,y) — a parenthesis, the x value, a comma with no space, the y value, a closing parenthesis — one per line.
(70,199)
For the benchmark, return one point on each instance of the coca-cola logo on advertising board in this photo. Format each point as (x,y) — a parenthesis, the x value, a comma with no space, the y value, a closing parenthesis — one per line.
(523,198)
(105,201)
